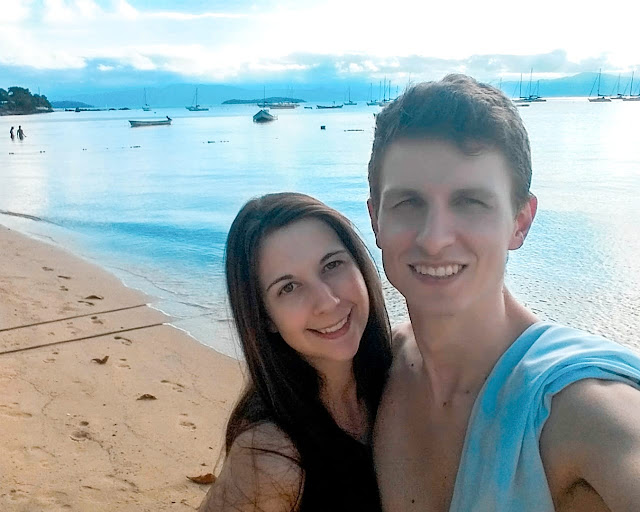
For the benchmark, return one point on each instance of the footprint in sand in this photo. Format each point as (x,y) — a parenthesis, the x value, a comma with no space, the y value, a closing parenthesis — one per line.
(123,365)
(47,269)
(125,341)
(176,386)
(188,424)
(63,277)
(50,360)
(18,495)
(64,288)
(80,435)
(13,411)
(96,320)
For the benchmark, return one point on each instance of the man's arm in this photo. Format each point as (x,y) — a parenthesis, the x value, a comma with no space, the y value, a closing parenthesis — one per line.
(260,474)
(593,437)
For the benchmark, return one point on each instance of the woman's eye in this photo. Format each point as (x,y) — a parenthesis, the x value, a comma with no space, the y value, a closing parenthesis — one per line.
(287,288)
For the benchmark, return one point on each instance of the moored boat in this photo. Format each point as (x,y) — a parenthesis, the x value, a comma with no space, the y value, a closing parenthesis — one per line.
(600,98)
(329,106)
(150,122)
(264,116)
(195,107)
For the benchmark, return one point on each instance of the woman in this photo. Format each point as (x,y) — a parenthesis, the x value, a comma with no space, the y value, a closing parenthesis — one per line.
(308,306)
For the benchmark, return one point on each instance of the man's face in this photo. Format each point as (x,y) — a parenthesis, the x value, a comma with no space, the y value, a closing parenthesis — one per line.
(445,222)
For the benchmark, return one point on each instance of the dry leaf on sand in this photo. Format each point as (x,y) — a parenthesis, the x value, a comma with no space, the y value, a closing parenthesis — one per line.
(203,479)
(146,396)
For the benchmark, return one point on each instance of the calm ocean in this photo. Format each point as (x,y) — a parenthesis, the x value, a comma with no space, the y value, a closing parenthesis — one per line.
(153,205)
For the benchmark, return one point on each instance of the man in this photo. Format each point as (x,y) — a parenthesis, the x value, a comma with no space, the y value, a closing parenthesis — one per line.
(486,408)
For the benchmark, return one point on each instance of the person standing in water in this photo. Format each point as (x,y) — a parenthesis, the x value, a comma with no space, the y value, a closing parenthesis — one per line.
(11,133)
(21,134)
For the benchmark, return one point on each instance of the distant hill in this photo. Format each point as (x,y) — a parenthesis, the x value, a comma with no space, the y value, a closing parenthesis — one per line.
(182,95)
(270,99)
(70,104)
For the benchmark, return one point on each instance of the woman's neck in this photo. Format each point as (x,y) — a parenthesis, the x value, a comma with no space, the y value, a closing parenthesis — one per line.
(340,397)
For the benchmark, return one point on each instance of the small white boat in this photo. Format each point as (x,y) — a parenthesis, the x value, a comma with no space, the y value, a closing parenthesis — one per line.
(146,106)
(282,105)
(263,116)
(600,98)
(195,107)
(631,96)
(150,122)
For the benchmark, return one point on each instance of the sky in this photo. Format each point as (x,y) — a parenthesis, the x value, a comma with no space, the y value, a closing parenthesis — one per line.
(108,43)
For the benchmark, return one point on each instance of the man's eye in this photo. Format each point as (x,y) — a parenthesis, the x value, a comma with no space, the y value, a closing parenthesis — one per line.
(405,202)
(333,264)
(471,201)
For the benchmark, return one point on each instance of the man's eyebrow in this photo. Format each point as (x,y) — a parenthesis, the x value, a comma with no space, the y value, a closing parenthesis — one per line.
(286,277)
(484,192)
(399,192)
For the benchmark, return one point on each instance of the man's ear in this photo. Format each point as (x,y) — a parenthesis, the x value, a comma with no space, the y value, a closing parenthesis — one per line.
(373,215)
(523,222)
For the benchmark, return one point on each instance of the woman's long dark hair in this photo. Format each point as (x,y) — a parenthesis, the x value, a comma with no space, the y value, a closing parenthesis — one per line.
(282,387)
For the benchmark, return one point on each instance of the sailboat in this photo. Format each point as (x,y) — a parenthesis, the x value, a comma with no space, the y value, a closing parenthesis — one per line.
(350,102)
(521,99)
(535,97)
(371,101)
(146,106)
(384,100)
(195,107)
(601,98)
(263,115)
(618,95)
(631,97)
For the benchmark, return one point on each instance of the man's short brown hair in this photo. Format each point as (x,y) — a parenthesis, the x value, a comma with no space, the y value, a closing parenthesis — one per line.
(457,109)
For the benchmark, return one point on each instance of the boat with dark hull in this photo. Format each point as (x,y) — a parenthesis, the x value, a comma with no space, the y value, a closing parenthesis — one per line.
(150,122)
(264,116)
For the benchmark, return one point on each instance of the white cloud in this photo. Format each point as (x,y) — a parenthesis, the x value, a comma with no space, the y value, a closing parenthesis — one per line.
(14,12)
(102,67)
(358,37)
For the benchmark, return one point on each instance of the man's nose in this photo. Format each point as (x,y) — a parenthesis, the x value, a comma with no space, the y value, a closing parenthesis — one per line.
(437,231)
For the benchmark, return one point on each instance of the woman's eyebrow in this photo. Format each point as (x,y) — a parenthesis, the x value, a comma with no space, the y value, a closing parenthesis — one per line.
(331,255)
(285,277)
(276,281)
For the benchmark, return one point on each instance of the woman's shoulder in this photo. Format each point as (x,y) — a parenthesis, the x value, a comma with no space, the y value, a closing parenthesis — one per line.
(261,472)
(401,335)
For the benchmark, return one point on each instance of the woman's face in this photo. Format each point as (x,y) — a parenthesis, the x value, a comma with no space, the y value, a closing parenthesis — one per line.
(314,292)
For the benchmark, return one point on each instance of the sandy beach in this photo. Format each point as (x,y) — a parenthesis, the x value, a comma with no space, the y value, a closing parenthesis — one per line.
(103,406)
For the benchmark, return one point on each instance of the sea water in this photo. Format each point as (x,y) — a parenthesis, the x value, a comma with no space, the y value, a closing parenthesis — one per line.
(154,204)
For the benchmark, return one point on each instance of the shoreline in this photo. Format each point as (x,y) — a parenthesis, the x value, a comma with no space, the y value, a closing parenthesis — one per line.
(75,432)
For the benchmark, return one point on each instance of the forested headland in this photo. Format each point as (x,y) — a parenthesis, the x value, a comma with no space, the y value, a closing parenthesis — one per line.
(18,101)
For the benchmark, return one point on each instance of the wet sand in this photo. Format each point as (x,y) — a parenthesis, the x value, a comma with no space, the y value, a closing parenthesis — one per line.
(103,406)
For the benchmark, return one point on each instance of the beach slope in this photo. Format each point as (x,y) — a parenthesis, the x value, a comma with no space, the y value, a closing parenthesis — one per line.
(103,407)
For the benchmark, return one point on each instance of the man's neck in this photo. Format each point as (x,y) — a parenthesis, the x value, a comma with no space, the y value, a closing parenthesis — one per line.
(459,351)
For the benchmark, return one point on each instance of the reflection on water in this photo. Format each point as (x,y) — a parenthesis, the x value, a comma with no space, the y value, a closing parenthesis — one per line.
(154,204)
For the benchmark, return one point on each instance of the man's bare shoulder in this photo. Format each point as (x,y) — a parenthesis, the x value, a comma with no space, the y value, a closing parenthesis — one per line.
(591,442)
(261,472)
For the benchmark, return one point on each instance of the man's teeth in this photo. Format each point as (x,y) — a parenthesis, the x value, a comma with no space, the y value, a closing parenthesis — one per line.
(442,271)
(336,327)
